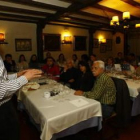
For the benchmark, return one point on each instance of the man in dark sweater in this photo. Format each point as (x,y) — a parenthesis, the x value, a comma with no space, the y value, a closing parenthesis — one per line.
(69,75)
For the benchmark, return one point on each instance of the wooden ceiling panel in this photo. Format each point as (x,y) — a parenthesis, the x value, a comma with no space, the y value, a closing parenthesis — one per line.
(92,19)
(54,2)
(26,7)
(76,13)
(122,6)
(96,11)
(138,1)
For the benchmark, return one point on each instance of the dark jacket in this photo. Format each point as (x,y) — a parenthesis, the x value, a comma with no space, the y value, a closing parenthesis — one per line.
(10,67)
(123,103)
(71,73)
(85,81)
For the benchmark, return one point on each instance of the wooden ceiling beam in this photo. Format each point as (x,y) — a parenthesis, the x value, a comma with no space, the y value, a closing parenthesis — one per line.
(20,16)
(132,2)
(107,9)
(119,13)
(23,11)
(92,15)
(73,22)
(74,7)
(35,4)
(70,25)
(87,21)
(17,20)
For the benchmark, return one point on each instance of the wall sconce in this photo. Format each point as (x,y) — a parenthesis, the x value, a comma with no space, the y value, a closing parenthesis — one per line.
(102,40)
(137,25)
(2,38)
(67,40)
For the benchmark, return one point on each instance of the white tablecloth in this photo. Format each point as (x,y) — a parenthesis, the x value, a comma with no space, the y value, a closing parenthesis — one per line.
(133,85)
(134,90)
(59,112)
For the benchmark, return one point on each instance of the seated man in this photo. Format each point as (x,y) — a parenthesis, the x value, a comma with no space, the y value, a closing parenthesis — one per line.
(69,75)
(51,69)
(103,90)
(10,64)
(127,68)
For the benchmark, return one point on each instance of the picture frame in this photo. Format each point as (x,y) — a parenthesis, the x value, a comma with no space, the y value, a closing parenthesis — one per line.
(95,43)
(80,43)
(23,44)
(52,42)
(102,48)
(109,45)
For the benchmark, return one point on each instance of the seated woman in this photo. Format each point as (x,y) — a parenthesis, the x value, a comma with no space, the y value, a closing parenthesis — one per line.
(75,60)
(22,63)
(86,79)
(109,63)
(92,59)
(34,62)
(61,61)
(51,69)
(10,64)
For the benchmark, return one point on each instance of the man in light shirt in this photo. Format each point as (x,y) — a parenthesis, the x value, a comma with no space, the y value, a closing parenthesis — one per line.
(9,84)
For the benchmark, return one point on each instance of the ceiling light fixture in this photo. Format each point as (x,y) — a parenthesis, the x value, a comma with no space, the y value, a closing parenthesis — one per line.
(125,23)
(126,18)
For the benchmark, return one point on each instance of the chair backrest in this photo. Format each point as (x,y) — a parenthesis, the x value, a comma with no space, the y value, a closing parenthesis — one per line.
(123,103)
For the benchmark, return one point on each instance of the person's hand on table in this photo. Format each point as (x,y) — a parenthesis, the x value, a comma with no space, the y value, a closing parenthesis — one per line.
(71,80)
(32,73)
(78,92)
(21,73)
(65,68)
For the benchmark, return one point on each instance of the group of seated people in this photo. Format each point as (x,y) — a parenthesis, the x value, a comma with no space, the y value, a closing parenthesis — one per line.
(92,82)
(87,76)
(12,66)
(129,64)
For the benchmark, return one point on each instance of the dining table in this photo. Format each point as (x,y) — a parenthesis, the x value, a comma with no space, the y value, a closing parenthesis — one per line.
(54,107)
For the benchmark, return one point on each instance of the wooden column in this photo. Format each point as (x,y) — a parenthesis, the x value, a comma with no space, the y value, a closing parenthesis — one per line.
(39,33)
(126,46)
(90,50)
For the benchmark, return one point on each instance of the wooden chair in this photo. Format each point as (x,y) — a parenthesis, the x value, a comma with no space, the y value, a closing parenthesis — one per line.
(122,110)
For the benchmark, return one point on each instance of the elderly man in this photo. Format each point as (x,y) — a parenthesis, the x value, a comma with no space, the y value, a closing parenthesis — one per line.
(103,90)
(70,74)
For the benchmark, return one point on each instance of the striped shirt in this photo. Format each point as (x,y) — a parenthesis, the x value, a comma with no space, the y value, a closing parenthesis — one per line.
(103,90)
(9,84)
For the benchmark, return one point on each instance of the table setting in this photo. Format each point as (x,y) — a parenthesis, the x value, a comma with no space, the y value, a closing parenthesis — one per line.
(57,110)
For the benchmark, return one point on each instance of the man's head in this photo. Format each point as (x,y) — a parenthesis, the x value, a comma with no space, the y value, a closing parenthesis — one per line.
(50,61)
(8,57)
(93,57)
(119,54)
(70,63)
(98,68)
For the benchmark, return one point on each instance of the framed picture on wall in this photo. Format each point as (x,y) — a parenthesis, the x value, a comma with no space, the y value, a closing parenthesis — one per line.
(109,44)
(102,48)
(95,43)
(52,42)
(80,43)
(23,44)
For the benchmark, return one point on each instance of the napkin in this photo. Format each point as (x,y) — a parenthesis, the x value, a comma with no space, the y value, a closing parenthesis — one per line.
(79,102)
